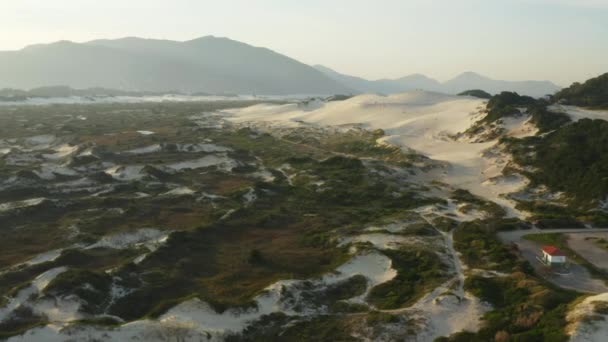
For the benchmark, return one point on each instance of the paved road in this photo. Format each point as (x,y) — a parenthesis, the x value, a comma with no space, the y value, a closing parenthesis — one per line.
(579,278)
(588,249)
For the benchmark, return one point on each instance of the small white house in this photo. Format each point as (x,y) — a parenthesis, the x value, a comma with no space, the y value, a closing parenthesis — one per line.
(553,255)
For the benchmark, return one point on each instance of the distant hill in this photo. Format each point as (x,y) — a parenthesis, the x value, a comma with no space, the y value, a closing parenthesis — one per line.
(207,64)
(461,83)
(471,80)
(11,94)
(383,86)
(593,93)
(476,93)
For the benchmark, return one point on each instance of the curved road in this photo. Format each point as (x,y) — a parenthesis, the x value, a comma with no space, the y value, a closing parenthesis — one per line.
(579,279)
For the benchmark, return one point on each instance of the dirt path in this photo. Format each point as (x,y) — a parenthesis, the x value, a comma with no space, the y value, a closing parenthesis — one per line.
(579,279)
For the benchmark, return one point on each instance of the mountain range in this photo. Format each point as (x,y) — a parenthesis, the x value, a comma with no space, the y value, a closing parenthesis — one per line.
(462,82)
(211,65)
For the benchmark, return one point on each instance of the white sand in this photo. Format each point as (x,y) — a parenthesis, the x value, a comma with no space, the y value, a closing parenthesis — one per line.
(49,171)
(577,113)
(382,241)
(221,161)
(44,140)
(62,151)
(194,320)
(126,173)
(422,121)
(585,330)
(36,287)
(146,132)
(181,191)
(250,196)
(149,237)
(4,207)
(144,150)
(209,148)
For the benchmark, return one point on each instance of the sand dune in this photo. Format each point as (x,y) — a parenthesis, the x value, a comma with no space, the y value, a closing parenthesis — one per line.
(419,120)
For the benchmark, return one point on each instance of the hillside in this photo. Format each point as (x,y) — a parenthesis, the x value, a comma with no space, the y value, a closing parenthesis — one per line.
(207,64)
(461,83)
(593,93)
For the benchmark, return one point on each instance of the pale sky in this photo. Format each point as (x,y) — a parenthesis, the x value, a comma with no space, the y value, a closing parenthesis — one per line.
(558,40)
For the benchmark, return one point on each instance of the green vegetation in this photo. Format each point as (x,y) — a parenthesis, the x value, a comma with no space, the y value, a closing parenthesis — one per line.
(332,296)
(509,104)
(479,247)
(506,104)
(224,250)
(545,120)
(547,216)
(418,271)
(525,308)
(89,286)
(322,328)
(593,93)
(476,93)
(573,159)
(19,321)
(490,208)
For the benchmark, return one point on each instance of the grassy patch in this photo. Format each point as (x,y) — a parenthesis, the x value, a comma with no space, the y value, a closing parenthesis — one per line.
(480,248)
(525,308)
(418,271)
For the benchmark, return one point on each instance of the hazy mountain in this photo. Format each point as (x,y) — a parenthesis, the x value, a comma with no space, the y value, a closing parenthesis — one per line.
(471,80)
(384,86)
(208,64)
(462,82)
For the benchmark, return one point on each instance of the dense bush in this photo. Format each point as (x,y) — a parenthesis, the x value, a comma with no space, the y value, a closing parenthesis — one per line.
(545,120)
(506,104)
(417,272)
(476,93)
(573,159)
(524,307)
(480,248)
(593,93)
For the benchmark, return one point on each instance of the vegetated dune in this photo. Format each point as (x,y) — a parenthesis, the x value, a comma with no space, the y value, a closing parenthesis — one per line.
(423,121)
(577,113)
(588,320)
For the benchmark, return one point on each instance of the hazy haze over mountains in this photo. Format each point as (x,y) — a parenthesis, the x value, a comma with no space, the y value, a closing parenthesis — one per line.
(462,82)
(207,64)
(211,65)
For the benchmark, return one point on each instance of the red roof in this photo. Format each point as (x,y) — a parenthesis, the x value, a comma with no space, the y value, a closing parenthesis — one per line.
(553,251)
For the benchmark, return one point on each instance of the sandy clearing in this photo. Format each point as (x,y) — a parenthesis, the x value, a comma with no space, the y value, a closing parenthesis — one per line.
(146,132)
(448,309)
(149,237)
(146,149)
(61,151)
(35,288)
(582,329)
(4,207)
(181,191)
(222,161)
(126,173)
(577,113)
(195,320)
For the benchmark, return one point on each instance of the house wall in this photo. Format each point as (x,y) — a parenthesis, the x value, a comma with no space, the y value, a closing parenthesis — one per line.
(557,259)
